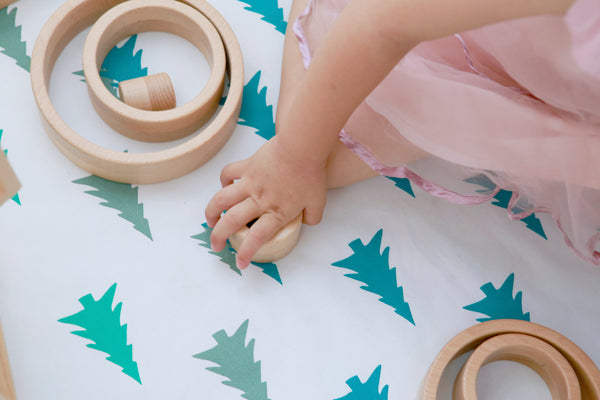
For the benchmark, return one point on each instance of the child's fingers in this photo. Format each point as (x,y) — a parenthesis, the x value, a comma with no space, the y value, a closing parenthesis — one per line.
(312,215)
(260,232)
(222,201)
(232,221)
(231,172)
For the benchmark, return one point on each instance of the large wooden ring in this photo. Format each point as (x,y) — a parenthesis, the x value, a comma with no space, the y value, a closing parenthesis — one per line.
(137,16)
(538,355)
(73,17)
(588,374)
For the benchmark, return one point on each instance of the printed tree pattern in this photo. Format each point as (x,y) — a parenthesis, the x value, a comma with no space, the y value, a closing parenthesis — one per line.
(102,325)
(236,362)
(255,112)
(10,39)
(402,183)
(270,11)
(15,198)
(227,255)
(372,268)
(499,303)
(120,196)
(368,390)
(121,64)
(502,198)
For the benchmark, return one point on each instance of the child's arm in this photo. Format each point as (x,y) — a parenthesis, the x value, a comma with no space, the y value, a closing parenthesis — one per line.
(286,176)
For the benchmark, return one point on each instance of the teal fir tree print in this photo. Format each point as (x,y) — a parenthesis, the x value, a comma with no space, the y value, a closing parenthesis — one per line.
(255,112)
(236,362)
(102,325)
(402,183)
(368,390)
(372,268)
(121,64)
(502,199)
(15,198)
(10,39)
(122,197)
(499,303)
(227,255)
(270,11)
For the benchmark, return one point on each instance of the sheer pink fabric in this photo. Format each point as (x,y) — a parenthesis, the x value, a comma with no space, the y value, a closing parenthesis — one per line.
(514,105)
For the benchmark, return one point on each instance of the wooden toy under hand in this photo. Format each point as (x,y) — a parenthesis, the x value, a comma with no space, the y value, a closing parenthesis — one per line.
(9,184)
(73,17)
(569,373)
(7,388)
(275,249)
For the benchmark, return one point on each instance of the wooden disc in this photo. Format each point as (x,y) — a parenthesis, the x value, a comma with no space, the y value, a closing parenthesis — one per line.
(69,20)
(275,249)
(150,93)
(536,354)
(587,372)
(137,16)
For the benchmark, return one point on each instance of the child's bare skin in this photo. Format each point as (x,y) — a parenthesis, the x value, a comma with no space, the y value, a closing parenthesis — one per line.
(290,174)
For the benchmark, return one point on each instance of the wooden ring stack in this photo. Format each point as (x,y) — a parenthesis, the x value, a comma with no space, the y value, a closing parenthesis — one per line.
(73,17)
(137,16)
(568,371)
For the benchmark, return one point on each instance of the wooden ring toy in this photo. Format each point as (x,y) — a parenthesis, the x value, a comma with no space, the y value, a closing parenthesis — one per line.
(138,16)
(73,17)
(150,93)
(538,355)
(275,249)
(588,374)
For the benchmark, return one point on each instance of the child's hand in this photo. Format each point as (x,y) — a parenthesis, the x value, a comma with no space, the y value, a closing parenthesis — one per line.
(274,185)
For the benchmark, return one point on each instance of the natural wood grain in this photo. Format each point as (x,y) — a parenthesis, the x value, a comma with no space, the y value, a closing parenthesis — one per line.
(9,184)
(69,20)
(6,3)
(538,355)
(150,93)
(137,16)
(7,388)
(587,372)
(275,249)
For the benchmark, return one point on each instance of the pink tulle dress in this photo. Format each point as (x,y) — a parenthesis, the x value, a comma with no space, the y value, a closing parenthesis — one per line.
(514,106)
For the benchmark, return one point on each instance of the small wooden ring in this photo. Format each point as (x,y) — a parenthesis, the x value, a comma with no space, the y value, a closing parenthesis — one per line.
(73,17)
(585,369)
(275,249)
(150,93)
(138,16)
(538,355)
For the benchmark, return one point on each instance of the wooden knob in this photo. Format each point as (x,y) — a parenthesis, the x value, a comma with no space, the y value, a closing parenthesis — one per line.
(538,355)
(150,93)
(275,249)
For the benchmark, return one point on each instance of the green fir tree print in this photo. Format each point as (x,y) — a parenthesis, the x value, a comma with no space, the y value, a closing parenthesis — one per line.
(502,199)
(270,11)
(236,362)
(499,303)
(368,390)
(10,39)
(255,112)
(122,197)
(372,268)
(15,198)
(121,64)
(227,255)
(402,183)
(102,325)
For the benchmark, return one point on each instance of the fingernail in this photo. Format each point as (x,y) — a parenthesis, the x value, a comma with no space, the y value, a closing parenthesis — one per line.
(240,264)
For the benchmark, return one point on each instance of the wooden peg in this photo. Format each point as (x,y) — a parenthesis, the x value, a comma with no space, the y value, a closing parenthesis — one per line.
(9,184)
(275,249)
(7,388)
(142,168)
(538,355)
(150,93)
